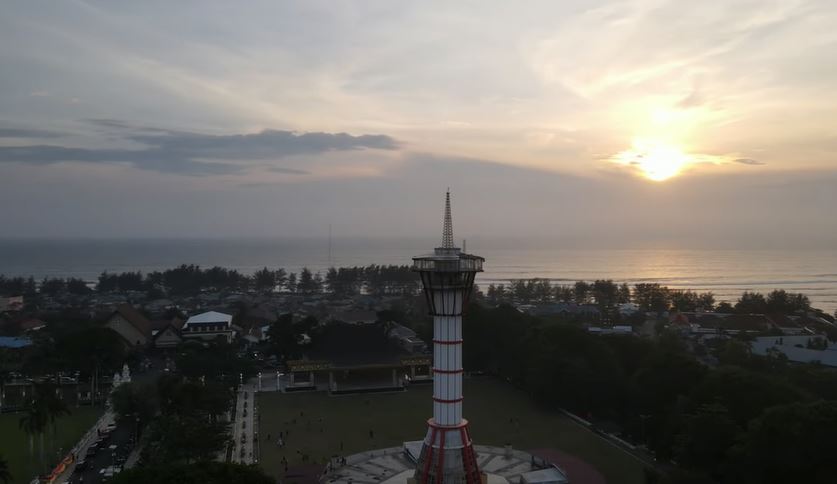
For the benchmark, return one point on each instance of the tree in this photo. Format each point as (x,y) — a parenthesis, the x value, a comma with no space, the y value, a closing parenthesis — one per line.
(707,437)
(183,438)
(280,275)
(684,300)
(706,301)
(605,293)
(53,286)
(32,422)
(542,290)
(77,286)
(491,295)
(188,427)
(199,473)
(746,394)
(651,297)
(788,443)
(751,303)
(522,290)
(5,473)
(563,293)
(133,401)
(724,307)
(306,283)
(217,361)
(291,284)
(623,294)
(581,292)
(94,350)
(55,407)
(264,280)
(783,302)
(283,336)
(733,352)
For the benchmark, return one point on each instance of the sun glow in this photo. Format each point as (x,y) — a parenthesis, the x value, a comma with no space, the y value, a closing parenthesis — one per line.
(655,160)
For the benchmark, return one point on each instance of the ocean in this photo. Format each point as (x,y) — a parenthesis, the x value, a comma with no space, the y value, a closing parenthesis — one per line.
(727,273)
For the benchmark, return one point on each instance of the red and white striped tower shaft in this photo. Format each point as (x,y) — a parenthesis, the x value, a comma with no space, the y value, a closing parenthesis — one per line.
(448,279)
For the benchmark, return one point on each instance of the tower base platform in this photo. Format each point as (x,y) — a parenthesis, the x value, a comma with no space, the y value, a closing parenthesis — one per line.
(447,456)
(397,465)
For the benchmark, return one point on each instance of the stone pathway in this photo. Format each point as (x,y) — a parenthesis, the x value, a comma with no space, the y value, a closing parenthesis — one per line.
(244,426)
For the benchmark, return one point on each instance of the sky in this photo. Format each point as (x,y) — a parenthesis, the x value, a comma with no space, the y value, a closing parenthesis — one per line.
(612,123)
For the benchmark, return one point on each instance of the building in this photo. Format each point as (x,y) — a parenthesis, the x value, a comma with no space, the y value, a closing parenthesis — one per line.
(356,358)
(407,339)
(356,317)
(131,325)
(447,275)
(11,304)
(14,342)
(798,349)
(166,333)
(28,325)
(208,326)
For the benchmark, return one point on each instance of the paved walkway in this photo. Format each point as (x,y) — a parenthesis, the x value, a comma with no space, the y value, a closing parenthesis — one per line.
(244,426)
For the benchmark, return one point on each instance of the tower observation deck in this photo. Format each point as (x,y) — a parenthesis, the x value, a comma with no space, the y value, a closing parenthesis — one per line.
(447,275)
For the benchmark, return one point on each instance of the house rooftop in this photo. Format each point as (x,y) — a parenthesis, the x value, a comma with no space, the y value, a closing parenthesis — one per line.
(134,317)
(209,317)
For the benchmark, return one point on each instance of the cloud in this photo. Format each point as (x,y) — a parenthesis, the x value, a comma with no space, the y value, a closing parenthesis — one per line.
(28,133)
(692,100)
(288,171)
(266,144)
(149,159)
(189,153)
(748,161)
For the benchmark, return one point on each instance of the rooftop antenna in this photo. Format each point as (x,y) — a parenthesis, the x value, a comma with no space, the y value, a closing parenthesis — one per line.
(447,232)
(329,243)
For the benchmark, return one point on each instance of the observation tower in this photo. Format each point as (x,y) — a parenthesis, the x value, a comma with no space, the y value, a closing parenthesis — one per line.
(447,454)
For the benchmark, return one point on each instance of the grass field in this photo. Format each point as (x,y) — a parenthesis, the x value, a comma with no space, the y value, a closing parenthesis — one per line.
(14,443)
(395,418)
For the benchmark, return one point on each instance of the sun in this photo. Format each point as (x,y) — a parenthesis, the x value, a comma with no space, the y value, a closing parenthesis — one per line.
(655,160)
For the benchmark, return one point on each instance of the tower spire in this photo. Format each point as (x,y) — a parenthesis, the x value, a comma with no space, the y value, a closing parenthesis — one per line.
(447,232)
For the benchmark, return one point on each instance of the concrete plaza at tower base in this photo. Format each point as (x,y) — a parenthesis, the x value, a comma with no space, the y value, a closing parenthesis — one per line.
(498,412)
(396,465)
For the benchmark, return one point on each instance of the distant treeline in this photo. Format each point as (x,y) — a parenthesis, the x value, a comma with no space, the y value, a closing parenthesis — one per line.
(607,295)
(399,280)
(192,279)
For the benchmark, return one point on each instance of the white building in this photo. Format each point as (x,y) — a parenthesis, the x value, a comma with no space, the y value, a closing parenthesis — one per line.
(796,348)
(208,326)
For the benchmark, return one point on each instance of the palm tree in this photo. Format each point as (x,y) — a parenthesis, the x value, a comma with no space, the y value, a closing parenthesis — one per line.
(33,422)
(5,473)
(55,408)
(50,408)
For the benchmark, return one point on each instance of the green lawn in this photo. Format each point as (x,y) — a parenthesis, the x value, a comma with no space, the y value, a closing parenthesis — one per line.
(395,418)
(14,443)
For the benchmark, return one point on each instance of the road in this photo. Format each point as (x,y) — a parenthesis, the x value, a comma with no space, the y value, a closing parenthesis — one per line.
(115,448)
(112,451)
(244,426)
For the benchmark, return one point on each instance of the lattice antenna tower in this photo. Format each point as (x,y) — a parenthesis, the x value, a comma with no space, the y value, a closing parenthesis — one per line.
(447,232)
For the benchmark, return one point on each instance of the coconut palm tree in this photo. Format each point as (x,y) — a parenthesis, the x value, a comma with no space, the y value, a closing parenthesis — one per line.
(33,422)
(55,408)
(50,408)
(5,473)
